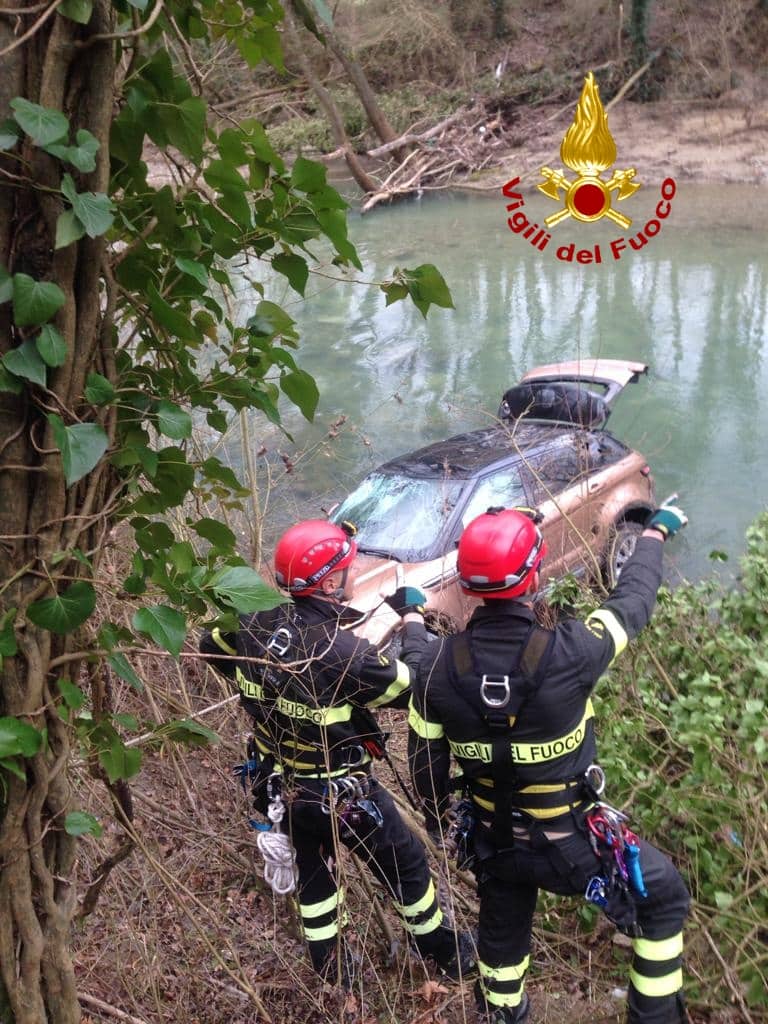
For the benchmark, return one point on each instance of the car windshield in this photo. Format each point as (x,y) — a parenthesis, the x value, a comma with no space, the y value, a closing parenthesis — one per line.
(399,515)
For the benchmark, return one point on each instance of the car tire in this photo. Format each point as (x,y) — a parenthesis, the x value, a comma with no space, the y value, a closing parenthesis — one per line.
(620,548)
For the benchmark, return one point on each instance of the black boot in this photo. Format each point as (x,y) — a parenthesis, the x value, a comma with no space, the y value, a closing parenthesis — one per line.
(520,1014)
(336,963)
(453,952)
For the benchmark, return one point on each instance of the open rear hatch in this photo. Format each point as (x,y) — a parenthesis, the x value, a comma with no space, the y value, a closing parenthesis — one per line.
(580,392)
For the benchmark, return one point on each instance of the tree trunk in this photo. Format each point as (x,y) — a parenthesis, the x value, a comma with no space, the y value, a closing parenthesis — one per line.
(376,116)
(324,98)
(37,511)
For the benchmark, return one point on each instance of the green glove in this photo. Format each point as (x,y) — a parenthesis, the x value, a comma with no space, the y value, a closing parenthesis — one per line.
(406,600)
(667,519)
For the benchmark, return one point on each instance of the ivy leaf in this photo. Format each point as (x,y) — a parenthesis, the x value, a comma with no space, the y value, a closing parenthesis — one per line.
(244,589)
(119,761)
(43,126)
(34,302)
(83,154)
(172,421)
(301,388)
(77,10)
(9,134)
(98,390)
(10,383)
(7,635)
(51,346)
(68,229)
(394,291)
(123,668)
(72,695)
(65,612)
(94,210)
(166,626)
(18,738)
(427,287)
(81,445)
(185,125)
(25,361)
(294,268)
(187,731)
(80,823)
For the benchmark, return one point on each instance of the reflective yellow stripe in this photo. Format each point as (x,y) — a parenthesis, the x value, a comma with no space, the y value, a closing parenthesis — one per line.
(318,934)
(659,949)
(220,642)
(540,813)
(666,986)
(400,685)
(614,627)
(503,999)
(513,973)
(317,909)
(556,787)
(427,730)
(432,922)
(294,709)
(414,909)
(529,753)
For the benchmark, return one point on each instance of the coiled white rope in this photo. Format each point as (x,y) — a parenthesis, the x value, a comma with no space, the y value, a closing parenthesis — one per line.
(278,853)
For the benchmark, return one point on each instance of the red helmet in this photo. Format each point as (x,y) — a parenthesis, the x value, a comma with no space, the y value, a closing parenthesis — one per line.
(307,552)
(498,552)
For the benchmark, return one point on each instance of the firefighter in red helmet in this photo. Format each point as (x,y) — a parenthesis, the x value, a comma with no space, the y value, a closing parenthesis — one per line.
(510,702)
(309,685)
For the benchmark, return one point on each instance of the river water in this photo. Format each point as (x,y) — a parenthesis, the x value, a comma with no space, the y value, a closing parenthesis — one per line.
(691,303)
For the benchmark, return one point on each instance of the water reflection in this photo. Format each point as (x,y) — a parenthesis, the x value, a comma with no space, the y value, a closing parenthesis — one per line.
(692,304)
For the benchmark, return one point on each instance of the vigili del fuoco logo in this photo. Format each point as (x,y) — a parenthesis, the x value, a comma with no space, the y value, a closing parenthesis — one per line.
(589,150)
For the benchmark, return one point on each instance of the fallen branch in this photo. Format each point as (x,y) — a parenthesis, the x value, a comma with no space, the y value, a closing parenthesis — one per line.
(408,140)
(111,1011)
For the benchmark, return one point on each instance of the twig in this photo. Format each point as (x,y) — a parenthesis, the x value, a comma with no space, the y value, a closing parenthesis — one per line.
(31,31)
(103,36)
(735,989)
(99,1004)
(406,140)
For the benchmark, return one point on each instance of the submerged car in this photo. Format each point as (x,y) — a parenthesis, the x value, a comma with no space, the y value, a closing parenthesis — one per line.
(548,449)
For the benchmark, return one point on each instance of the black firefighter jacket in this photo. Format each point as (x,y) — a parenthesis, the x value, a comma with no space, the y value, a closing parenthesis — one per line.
(309,683)
(548,742)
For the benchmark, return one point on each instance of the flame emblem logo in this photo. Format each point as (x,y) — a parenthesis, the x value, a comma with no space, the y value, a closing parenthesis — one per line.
(588,148)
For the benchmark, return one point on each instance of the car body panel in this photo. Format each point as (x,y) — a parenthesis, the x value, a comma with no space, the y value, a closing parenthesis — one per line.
(612,374)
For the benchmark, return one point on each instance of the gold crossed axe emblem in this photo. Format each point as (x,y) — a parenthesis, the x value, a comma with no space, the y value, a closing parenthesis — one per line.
(588,148)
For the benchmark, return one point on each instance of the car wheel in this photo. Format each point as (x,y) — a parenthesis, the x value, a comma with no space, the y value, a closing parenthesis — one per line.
(621,547)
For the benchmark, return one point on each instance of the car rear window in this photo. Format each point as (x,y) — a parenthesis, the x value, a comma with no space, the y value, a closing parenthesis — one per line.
(400,515)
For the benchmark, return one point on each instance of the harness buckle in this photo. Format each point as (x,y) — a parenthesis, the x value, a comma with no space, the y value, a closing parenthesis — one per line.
(491,685)
(595,777)
(355,756)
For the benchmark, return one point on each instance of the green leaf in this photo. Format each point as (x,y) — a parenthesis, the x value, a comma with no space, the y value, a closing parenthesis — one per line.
(185,125)
(217,533)
(123,668)
(25,361)
(194,269)
(80,823)
(43,126)
(94,210)
(170,318)
(301,388)
(172,421)
(394,291)
(216,470)
(307,175)
(119,761)
(244,589)
(77,10)
(65,612)
(10,383)
(72,695)
(9,134)
(294,268)
(81,445)
(166,626)
(51,346)
(34,302)
(7,635)
(187,731)
(98,390)
(83,154)
(18,738)
(68,229)
(427,287)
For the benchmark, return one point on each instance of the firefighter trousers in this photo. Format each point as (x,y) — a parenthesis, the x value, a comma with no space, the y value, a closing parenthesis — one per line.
(390,850)
(508,886)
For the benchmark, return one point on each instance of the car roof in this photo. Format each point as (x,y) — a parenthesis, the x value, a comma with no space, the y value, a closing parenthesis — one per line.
(467,455)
